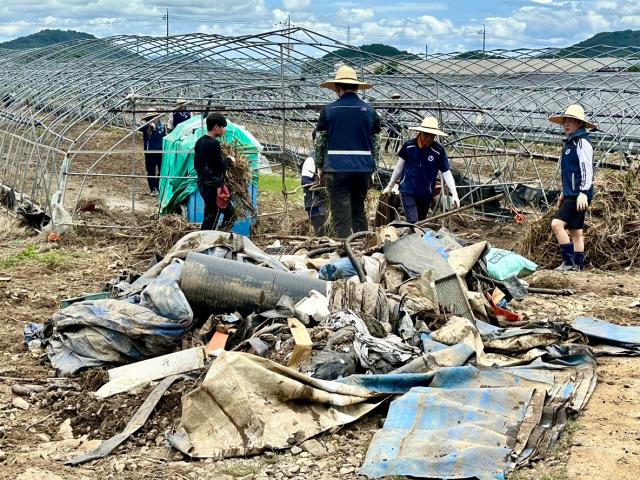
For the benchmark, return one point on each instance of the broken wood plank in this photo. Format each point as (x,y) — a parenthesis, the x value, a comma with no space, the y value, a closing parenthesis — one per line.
(303,346)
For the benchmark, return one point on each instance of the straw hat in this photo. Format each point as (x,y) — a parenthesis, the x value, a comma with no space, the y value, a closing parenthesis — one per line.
(151,112)
(429,125)
(395,95)
(181,101)
(572,111)
(345,75)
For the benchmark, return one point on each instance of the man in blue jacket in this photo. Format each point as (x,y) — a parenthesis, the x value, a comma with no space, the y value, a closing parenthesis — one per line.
(576,166)
(153,134)
(181,114)
(347,150)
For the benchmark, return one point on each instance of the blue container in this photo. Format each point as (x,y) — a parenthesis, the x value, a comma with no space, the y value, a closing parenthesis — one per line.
(242,226)
(195,208)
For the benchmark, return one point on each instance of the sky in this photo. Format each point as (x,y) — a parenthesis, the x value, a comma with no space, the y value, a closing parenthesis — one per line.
(438,26)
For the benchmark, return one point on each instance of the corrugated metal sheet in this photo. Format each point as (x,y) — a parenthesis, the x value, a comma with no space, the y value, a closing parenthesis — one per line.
(605,332)
(442,433)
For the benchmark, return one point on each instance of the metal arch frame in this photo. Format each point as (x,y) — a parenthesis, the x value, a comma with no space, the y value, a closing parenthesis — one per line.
(63,97)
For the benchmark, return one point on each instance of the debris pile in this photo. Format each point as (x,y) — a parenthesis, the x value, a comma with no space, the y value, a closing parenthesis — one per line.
(613,223)
(239,176)
(274,346)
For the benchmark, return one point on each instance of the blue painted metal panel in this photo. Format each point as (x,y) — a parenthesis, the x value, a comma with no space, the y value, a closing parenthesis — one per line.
(449,433)
(607,332)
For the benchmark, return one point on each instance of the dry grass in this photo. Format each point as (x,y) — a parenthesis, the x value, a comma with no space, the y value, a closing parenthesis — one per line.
(613,235)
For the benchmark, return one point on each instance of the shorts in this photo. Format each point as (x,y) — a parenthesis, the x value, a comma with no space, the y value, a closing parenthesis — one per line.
(568,213)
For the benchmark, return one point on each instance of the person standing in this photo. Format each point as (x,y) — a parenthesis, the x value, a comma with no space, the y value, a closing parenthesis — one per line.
(347,150)
(314,199)
(153,134)
(419,161)
(576,166)
(211,166)
(181,114)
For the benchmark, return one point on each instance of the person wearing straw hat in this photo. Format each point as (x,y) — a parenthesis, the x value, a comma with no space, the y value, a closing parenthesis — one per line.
(347,150)
(181,114)
(153,132)
(576,167)
(419,161)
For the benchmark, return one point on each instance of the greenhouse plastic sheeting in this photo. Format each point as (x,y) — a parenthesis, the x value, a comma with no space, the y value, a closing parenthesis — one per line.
(177,161)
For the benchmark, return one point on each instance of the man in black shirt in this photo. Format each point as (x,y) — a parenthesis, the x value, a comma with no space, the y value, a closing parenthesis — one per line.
(211,166)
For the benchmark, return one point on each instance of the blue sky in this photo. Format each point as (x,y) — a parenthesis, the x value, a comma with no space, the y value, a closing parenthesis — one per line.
(444,26)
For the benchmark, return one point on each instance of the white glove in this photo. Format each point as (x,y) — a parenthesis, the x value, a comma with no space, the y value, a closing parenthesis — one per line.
(582,203)
(456,201)
(386,190)
(232,159)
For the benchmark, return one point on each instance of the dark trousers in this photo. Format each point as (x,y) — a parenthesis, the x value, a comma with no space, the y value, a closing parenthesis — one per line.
(347,193)
(415,208)
(153,164)
(318,221)
(212,212)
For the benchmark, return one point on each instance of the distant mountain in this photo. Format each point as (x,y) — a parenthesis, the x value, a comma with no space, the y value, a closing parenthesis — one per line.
(44,38)
(327,63)
(612,41)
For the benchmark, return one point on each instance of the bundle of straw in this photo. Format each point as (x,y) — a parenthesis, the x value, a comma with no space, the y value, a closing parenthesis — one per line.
(239,179)
(613,233)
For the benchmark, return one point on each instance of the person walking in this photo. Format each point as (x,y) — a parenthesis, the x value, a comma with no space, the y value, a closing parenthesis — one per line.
(211,166)
(347,150)
(419,161)
(576,167)
(153,134)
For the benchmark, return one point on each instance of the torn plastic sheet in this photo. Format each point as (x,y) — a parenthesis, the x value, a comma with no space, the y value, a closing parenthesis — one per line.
(423,435)
(100,332)
(617,339)
(247,404)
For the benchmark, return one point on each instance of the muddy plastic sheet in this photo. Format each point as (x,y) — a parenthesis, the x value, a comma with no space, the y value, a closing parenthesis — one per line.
(101,332)
(247,404)
(609,338)
(449,433)
(416,256)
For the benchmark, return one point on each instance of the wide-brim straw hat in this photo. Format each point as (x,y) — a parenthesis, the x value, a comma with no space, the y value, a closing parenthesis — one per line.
(345,75)
(151,112)
(573,111)
(181,101)
(429,125)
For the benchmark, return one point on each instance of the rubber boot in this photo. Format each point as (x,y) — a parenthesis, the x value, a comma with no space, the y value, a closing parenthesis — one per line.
(578,258)
(568,258)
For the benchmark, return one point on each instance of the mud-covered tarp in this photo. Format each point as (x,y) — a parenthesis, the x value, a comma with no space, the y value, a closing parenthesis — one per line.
(100,332)
(247,404)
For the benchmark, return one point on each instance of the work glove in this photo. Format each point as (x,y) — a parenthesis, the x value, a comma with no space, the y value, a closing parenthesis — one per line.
(232,160)
(456,201)
(387,189)
(582,203)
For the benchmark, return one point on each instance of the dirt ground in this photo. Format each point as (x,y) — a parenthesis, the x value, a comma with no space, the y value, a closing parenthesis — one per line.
(602,443)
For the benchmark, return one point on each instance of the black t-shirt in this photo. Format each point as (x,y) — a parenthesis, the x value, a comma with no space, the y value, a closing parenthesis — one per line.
(209,162)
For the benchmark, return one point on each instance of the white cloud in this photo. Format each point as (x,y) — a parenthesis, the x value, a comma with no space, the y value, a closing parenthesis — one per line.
(544,2)
(355,14)
(293,5)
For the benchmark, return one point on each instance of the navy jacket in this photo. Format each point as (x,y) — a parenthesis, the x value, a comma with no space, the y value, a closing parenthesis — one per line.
(152,137)
(421,167)
(576,165)
(180,116)
(350,124)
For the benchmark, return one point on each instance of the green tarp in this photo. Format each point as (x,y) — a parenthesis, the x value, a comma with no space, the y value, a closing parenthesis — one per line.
(177,161)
